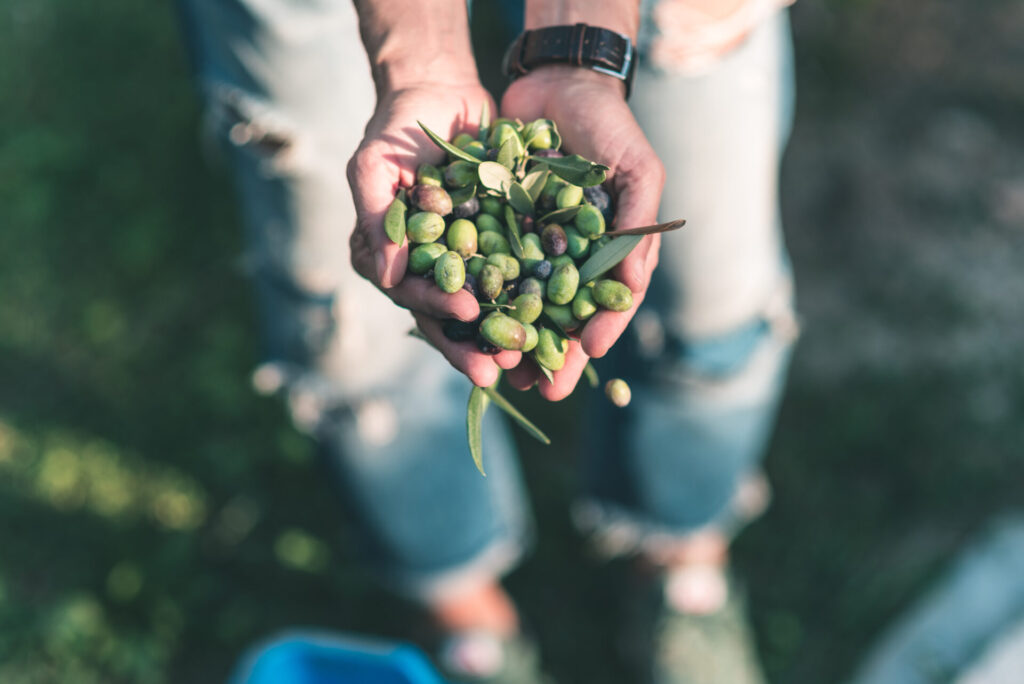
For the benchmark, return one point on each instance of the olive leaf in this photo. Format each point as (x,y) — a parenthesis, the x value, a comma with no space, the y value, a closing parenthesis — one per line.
(535,180)
(591,374)
(394,219)
(510,151)
(503,403)
(520,199)
(514,239)
(474,426)
(649,230)
(494,306)
(485,121)
(447,146)
(606,258)
(494,176)
(537,127)
(560,216)
(462,195)
(576,169)
(546,373)
(553,324)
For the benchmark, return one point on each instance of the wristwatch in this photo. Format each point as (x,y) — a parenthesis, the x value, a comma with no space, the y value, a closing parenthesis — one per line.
(591,47)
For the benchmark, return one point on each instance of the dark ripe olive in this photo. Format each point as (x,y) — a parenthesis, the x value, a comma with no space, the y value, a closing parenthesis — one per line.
(543,270)
(459,331)
(553,240)
(600,198)
(486,347)
(469,208)
(431,198)
(528,225)
(470,284)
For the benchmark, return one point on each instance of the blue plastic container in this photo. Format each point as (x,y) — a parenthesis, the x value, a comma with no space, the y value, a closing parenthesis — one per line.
(324,658)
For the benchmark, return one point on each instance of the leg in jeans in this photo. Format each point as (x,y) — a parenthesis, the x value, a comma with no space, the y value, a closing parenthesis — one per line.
(288,91)
(715,334)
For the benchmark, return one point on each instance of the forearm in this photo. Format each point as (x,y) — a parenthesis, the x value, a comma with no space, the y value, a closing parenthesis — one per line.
(415,42)
(618,15)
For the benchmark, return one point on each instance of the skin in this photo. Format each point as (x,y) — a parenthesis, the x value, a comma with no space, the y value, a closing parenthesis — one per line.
(598,125)
(423,69)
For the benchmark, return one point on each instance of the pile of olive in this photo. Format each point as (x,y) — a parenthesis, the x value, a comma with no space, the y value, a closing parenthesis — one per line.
(512,220)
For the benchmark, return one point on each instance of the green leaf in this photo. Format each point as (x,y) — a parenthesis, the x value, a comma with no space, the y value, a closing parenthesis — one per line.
(510,151)
(447,146)
(494,306)
(394,219)
(591,374)
(606,258)
(503,403)
(550,322)
(514,239)
(462,195)
(546,373)
(494,176)
(576,169)
(485,121)
(520,199)
(535,180)
(649,230)
(474,426)
(560,216)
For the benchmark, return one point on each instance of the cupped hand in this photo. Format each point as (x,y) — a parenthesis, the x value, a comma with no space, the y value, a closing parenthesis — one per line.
(393,147)
(595,122)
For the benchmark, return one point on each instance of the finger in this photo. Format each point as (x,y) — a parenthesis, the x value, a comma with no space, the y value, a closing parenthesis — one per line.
(524,376)
(566,378)
(638,191)
(605,327)
(424,296)
(477,366)
(374,178)
(508,359)
(635,270)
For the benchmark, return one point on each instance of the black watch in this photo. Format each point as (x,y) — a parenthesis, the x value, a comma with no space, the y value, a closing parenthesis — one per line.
(579,45)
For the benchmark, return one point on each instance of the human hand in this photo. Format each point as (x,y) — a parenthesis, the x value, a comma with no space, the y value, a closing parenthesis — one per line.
(393,147)
(595,121)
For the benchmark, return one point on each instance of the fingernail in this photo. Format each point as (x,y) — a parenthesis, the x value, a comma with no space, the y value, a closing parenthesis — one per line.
(382,267)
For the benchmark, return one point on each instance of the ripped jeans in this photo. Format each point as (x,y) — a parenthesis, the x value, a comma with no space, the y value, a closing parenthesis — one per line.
(287,90)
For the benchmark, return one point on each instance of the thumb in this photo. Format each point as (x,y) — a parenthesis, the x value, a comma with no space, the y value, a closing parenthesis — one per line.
(374,180)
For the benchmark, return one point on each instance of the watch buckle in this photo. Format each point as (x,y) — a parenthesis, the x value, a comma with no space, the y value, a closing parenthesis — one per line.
(622,73)
(513,61)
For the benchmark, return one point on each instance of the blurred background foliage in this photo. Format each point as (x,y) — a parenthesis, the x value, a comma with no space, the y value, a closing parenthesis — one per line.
(156,517)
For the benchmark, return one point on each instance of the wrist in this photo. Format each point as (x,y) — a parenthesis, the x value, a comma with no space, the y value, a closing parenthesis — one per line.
(412,43)
(566,76)
(622,17)
(393,75)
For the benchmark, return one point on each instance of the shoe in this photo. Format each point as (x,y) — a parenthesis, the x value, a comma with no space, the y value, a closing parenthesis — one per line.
(479,657)
(714,645)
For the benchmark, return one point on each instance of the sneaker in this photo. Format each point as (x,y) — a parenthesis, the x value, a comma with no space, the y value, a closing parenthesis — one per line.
(479,657)
(690,626)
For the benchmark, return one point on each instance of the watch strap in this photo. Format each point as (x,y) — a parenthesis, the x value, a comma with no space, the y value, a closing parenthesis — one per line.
(579,45)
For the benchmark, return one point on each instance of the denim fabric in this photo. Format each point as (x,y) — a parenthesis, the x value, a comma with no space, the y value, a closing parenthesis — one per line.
(713,339)
(287,92)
